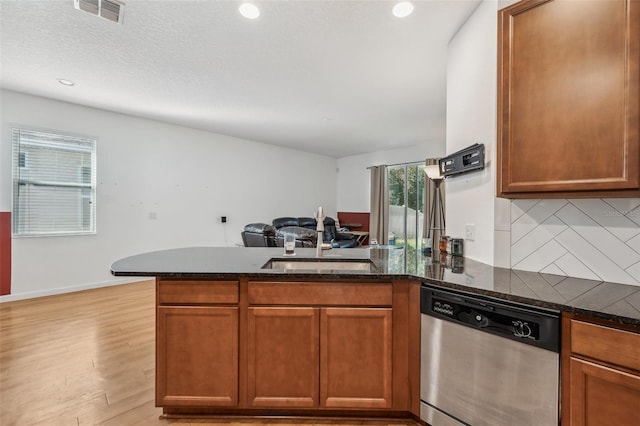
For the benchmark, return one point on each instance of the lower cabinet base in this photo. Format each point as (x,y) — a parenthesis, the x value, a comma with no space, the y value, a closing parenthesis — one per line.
(316,349)
(217,413)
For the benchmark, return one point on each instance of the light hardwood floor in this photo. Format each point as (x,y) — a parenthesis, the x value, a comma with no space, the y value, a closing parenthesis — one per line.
(88,358)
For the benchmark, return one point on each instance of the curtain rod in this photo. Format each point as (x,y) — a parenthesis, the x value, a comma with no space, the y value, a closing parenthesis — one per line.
(399,164)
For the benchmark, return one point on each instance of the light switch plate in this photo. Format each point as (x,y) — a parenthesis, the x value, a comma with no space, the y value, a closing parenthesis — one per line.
(470,232)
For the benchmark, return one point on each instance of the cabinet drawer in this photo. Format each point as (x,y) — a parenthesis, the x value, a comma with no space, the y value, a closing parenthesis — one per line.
(325,293)
(196,292)
(607,344)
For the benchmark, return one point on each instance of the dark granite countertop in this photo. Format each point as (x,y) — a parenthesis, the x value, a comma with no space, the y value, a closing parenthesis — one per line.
(610,301)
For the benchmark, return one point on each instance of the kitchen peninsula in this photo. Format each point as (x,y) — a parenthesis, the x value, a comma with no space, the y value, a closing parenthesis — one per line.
(243,331)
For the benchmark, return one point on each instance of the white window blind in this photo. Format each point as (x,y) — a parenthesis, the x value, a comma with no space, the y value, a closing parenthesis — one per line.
(54,184)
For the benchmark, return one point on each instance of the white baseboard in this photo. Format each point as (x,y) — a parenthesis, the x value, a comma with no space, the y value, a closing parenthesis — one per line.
(70,289)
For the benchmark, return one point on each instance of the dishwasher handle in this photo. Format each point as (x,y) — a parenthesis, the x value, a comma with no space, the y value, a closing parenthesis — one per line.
(514,326)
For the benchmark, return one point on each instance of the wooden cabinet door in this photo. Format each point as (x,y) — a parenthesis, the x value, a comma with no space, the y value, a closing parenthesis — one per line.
(568,98)
(283,357)
(355,360)
(197,356)
(603,396)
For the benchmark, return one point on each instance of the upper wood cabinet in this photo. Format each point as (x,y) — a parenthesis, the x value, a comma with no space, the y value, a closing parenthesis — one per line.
(568,99)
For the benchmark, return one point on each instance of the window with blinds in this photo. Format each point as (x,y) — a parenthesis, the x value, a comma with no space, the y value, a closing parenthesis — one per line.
(54,184)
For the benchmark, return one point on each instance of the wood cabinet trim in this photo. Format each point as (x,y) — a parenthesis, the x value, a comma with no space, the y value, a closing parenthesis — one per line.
(196,292)
(320,294)
(413,352)
(243,340)
(198,401)
(614,346)
(565,369)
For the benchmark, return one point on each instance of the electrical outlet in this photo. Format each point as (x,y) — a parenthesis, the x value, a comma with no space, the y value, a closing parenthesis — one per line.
(470,232)
(223,219)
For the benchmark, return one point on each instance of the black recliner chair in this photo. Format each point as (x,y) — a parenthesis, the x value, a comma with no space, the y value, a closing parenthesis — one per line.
(338,239)
(259,235)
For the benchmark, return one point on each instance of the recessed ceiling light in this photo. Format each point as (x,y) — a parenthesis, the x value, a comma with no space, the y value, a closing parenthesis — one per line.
(249,10)
(66,82)
(403,9)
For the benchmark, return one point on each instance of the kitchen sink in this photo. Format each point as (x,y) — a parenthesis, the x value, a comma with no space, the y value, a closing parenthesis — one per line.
(319,265)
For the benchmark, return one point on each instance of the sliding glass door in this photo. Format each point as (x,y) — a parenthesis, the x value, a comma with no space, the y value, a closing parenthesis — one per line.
(406,206)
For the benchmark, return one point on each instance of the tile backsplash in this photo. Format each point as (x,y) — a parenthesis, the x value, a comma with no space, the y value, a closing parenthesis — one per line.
(595,239)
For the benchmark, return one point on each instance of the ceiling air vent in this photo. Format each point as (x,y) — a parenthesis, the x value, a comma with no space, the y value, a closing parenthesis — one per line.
(108,9)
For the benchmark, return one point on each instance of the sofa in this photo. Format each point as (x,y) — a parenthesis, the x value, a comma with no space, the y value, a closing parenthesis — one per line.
(304,229)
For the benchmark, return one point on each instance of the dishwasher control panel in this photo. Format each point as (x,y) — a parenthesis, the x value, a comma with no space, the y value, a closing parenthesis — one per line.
(443,308)
(484,316)
(531,325)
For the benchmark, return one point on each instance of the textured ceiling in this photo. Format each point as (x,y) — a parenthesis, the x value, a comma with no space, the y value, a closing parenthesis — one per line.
(333,77)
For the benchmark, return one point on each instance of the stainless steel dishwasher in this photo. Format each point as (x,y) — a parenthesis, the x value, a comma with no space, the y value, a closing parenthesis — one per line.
(487,362)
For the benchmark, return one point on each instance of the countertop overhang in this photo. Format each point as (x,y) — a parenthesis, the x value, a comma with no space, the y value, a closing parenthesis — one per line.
(610,301)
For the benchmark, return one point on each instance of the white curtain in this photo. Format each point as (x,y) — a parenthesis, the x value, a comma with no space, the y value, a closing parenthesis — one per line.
(379,219)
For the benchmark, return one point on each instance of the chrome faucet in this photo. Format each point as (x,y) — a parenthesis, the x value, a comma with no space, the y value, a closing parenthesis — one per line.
(319,216)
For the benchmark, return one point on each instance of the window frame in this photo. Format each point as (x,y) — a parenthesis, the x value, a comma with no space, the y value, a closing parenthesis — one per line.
(91,142)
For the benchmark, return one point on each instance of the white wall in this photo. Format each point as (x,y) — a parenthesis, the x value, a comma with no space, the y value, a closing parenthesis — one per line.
(354,178)
(186,177)
(471,118)
(592,238)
